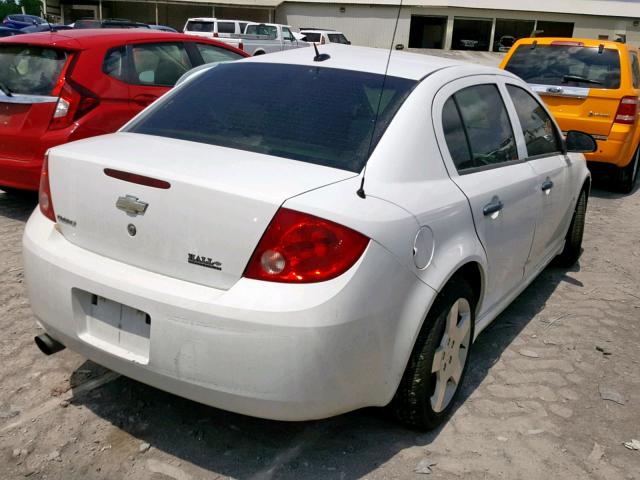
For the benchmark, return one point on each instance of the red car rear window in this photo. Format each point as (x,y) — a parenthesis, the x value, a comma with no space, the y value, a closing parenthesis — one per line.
(31,70)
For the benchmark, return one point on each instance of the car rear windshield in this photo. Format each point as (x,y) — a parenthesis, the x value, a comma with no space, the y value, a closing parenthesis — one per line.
(30,70)
(567,65)
(194,26)
(338,38)
(317,115)
(311,37)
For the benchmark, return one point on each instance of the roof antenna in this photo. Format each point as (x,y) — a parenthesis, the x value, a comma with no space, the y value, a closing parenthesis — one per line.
(320,57)
(360,191)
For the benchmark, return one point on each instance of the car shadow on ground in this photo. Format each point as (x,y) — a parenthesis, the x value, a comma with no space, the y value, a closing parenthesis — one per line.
(18,206)
(349,446)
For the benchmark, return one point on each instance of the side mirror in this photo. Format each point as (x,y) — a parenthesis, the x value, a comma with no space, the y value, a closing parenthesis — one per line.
(580,142)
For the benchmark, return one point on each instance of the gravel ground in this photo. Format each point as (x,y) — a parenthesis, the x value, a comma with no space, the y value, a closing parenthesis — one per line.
(532,406)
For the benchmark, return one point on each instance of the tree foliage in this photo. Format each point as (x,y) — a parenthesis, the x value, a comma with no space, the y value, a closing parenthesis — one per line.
(32,7)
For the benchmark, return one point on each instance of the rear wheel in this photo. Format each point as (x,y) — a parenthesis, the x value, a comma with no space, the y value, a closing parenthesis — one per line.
(438,363)
(627,176)
(573,241)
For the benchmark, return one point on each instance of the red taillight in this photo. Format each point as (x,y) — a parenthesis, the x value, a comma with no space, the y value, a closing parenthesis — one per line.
(301,248)
(44,195)
(627,111)
(216,34)
(241,46)
(74,102)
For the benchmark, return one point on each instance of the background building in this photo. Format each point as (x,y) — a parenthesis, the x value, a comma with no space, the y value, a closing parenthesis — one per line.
(449,24)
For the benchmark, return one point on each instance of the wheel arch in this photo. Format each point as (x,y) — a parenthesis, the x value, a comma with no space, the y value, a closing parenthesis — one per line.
(472,270)
(258,52)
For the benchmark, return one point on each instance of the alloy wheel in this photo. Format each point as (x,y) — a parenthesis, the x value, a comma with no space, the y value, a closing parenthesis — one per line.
(451,355)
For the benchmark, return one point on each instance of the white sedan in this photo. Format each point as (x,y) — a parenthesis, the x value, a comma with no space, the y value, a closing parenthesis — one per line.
(297,249)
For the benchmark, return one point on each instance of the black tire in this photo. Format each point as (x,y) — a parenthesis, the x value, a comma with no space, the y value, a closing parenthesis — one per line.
(573,241)
(627,176)
(412,401)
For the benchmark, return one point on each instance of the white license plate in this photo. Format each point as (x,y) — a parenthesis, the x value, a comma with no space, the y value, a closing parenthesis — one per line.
(117,328)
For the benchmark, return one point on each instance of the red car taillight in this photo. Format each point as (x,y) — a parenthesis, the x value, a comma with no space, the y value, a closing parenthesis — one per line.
(301,248)
(627,111)
(74,102)
(44,196)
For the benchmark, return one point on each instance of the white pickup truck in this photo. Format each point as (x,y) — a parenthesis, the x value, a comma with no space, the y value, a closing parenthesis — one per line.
(253,38)
(261,38)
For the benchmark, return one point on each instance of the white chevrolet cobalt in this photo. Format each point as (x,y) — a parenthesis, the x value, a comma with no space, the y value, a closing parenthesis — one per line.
(295,236)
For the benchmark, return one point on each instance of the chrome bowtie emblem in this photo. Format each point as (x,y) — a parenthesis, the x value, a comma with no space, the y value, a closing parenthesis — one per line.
(131,205)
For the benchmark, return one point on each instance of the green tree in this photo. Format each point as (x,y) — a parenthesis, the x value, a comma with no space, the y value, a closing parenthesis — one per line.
(32,7)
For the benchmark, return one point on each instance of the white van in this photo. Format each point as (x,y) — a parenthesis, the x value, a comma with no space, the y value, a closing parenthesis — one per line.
(223,30)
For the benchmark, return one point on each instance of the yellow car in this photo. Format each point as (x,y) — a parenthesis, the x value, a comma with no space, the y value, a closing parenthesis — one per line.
(591,86)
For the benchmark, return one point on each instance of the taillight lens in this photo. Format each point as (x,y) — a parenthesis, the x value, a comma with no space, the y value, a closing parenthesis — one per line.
(44,195)
(627,111)
(301,248)
(74,102)
(241,46)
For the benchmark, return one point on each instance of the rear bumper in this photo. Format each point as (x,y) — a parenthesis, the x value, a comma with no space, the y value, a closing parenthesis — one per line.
(617,149)
(286,352)
(22,175)
(24,172)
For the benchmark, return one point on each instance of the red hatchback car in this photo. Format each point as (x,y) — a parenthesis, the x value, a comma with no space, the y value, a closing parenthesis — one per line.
(56,87)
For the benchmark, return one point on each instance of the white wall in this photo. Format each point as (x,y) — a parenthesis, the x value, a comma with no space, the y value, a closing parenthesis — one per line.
(372,25)
(362,24)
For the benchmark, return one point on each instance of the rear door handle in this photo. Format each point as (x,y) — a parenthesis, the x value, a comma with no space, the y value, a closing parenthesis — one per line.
(547,185)
(494,206)
(144,99)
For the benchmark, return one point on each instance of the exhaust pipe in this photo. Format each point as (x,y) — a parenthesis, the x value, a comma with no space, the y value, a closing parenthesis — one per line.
(48,345)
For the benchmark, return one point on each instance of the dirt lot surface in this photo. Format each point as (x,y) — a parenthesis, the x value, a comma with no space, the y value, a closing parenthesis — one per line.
(534,404)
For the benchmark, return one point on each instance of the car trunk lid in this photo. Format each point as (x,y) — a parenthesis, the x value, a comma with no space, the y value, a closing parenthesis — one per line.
(590,110)
(203,228)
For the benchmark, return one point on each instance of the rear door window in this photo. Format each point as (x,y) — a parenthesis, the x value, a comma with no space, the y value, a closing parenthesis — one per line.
(486,125)
(455,136)
(567,65)
(213,54)
(114,63)
(29,69)
(226,27)
(197,26)
(540,134)
(264,108)
(160,64)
